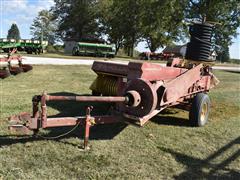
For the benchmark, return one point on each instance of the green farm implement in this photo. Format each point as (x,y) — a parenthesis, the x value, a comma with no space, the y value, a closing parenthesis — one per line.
(93,49)
(29,46)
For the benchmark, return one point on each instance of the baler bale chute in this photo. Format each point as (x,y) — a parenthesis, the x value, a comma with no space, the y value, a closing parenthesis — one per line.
(7,67)
(138,92)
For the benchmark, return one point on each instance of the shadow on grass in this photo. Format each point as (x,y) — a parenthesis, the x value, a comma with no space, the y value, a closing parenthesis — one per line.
(232,71)
(195,166)
(73,108)
(170,121)
(98,132)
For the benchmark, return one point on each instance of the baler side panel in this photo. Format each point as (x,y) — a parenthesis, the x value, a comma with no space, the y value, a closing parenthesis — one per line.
(152,72)
(110,68)
(179,86)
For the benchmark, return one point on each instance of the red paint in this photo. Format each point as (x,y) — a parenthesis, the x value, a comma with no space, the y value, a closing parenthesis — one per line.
(156,88)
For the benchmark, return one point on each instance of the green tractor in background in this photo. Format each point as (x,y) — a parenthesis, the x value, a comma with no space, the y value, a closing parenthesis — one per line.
(94,49)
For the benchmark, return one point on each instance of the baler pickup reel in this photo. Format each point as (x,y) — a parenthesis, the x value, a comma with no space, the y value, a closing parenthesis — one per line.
(7,68)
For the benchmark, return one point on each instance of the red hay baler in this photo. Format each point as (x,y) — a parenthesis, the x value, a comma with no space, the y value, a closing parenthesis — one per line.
(139,91)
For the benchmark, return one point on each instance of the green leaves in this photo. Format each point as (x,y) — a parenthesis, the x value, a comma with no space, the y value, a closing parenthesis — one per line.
(161,22)
(44,27)
(76,19)
(126,22)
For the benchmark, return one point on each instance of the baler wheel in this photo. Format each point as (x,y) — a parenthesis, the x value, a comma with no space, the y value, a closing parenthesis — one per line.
(75,51)
(199,111)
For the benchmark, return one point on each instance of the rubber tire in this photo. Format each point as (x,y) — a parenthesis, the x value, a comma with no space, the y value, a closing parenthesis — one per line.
(195,112)
(75,51)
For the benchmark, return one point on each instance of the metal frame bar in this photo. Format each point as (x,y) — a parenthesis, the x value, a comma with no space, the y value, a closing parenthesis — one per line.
(39,118)
(176,91)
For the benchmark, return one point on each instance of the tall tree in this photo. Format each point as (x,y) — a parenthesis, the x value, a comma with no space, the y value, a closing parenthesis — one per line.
(162,22)
(110,23)
(227,16)
(76,18)
(120,21)
(13,32)
(129,21)
(130,12)
(44,27)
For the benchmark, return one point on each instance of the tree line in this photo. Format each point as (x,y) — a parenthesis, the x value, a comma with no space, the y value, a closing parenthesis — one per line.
(125,23)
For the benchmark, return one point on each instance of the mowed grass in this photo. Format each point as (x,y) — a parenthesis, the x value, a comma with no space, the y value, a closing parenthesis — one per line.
(165,148)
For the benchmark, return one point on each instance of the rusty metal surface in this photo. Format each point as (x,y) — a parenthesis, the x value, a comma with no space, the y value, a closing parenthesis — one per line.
(43,114)
(87,98)
(20,123)
(22,118)
(179,86)
(141,120)
(148,98)
(4,73)
(12,58)
(15,70)
(87,124)
(110,68)
(7,68)
(26,67)
(153,72)
(134,98)
(63,121)
(20,130)
(39,118)
(176,62)
(141,91)
(72,121)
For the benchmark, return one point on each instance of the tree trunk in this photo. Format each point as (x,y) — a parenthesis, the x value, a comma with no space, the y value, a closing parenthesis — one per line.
(132,45)
(152,48)
(151,45)
(132,50)
(117,47)
(128,51)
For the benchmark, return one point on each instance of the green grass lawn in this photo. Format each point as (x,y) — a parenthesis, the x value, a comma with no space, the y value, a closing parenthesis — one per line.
(165,148)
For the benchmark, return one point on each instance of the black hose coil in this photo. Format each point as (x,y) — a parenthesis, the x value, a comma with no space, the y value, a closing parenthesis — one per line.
(199,47)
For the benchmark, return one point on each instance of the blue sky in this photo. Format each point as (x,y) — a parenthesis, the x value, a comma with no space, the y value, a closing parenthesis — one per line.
(22,12)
